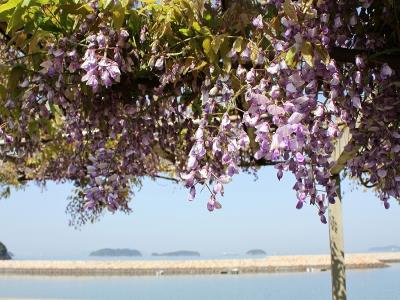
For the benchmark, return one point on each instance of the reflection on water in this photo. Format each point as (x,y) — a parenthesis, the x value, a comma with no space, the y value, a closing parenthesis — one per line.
(376,284)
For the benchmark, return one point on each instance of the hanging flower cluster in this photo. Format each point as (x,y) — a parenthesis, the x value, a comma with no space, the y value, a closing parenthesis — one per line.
(109,92)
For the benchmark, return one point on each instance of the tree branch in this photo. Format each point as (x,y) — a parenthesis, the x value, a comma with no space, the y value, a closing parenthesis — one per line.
(349,56)
(167,178)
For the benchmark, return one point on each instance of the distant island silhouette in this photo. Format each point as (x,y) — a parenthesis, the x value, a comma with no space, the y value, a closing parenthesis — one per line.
(390,248)
(177,253)
(256,252)
(115,252)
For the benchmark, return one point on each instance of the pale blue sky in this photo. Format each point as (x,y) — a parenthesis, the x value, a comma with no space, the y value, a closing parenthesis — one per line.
(255,214)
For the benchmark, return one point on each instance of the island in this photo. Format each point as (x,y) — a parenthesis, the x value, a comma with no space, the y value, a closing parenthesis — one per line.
(390,248)
(4,254)
(178,253)
(256,252)
(116,252)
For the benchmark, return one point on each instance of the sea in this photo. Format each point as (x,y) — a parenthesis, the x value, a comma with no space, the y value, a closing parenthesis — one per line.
(366,284)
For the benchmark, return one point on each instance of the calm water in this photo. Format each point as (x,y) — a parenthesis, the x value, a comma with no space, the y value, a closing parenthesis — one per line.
(378,284)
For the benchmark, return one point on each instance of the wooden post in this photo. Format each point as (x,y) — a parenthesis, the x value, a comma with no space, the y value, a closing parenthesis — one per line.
(336,238)
(338,269)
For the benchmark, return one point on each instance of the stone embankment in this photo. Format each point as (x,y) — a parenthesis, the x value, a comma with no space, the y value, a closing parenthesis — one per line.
(190,267)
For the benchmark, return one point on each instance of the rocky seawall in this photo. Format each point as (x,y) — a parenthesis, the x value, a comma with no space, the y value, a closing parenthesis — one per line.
(297,263)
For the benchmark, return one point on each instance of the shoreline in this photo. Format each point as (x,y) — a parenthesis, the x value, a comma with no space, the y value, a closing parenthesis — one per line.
(270,264)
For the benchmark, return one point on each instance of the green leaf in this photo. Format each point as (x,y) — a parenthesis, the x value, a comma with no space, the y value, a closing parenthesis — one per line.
(3,92)
(15,75)
(290,57)
(307,5)
(307,53)
(196,106)
(76,9)
(323,53)
(16,20)
(105,3)
(206,31)
(207,45)
(289,10)
(124,3)
(118,16)
(9,5)
(196,26)
(134,23)
(48,25)
(216,43)
(185,31)
(33,127)
(34,41)
(25,3)
(201,65)
(227,63)
(44,2)
(238,44)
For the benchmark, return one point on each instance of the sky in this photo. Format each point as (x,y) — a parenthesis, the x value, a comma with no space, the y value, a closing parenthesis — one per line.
(255,214)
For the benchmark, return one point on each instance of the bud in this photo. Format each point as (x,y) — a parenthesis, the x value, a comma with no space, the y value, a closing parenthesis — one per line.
(192,193)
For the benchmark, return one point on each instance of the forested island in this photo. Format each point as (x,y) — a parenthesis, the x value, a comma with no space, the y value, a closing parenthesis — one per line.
(178,253)
(116,252)
(256,252)
(4,254)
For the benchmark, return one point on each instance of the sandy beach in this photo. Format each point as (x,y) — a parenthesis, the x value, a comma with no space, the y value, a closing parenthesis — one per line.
(298,263)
